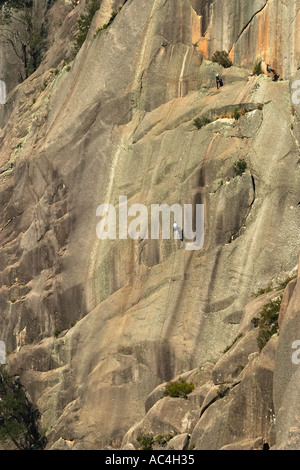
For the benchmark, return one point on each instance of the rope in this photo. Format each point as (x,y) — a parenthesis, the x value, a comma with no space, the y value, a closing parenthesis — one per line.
(175,257)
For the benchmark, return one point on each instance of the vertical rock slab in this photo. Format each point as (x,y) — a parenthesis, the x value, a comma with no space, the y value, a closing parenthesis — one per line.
(287,376)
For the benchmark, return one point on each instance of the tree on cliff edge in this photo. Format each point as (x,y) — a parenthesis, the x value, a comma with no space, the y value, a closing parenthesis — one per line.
(18,30)
(18,417)
(84,22)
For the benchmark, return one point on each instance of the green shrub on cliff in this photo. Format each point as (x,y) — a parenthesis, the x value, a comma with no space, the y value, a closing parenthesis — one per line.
(222,58)
(146,441)
(267,322)
(179,389)
(240,167)
(201,122)
(84,22)
(163,439)
(18,417)
(26,43)
(239,336)
(257,70)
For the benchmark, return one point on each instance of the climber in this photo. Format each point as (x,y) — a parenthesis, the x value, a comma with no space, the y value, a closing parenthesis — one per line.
(179,230)
(218,80)
(275,74)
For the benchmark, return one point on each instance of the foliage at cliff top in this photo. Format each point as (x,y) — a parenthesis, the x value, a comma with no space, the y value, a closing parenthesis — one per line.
(84,22)
(18,417)
(18,29)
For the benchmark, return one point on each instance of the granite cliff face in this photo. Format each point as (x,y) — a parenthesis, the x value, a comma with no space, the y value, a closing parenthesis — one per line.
(96,328)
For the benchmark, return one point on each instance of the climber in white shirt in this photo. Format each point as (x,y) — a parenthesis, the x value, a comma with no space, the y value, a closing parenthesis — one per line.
(178,230)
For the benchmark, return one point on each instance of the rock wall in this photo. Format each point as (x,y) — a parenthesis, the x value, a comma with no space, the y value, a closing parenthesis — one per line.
(265,30)
(91,326)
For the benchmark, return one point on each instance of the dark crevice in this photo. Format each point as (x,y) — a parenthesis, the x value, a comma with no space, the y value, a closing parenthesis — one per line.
(253,183)
(7,168)
(219,396)
(208,405)
(251,19)
(235,235)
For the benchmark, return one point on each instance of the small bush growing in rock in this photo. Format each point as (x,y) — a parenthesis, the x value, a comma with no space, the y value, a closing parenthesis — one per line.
(280,285)
(263,290)
(84,23)
(57,333)
(102,28)
(163,439)
(240,335)
(237,113)
(257,69)
(227,115)
(284,283)
(19,419)
(255,322)
(179,389)
(223,390)
(201,121)
(222,58)
(105,26)
(146,441)
(240,167)
(267,322)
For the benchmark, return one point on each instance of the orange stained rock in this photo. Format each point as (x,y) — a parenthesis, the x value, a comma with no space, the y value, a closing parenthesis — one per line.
(268,37)
(196,27)
(231,54)
(263,34)
(203,45)
(263,66)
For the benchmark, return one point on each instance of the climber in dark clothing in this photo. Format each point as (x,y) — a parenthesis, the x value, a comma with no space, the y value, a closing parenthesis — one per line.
(275,74)
(219,81)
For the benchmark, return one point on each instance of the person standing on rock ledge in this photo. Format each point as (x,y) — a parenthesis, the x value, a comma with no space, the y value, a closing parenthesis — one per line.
(275,74)
(219,81)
